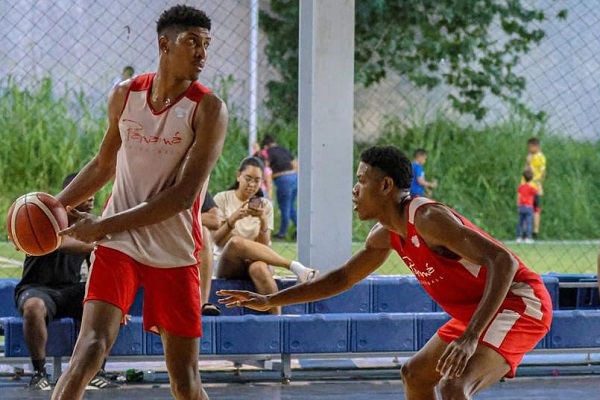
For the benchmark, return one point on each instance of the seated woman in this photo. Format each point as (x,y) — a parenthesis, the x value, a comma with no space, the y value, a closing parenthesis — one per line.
(242,241)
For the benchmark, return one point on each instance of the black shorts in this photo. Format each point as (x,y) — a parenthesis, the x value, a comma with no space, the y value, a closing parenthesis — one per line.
(60,303)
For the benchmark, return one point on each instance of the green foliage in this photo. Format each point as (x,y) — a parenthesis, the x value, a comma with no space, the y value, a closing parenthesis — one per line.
(44,138)
(429,42)
(236,144)
(479,170)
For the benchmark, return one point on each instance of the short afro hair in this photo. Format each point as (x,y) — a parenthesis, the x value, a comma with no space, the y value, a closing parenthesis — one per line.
(182,17)
(392,162)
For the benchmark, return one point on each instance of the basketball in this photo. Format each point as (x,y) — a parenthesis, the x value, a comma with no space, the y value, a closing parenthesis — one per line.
(33,222)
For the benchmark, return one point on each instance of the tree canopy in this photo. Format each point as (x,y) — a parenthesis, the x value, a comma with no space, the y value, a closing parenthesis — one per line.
(456,42)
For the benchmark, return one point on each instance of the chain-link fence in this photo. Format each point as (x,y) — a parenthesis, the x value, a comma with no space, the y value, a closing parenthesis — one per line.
(82,46)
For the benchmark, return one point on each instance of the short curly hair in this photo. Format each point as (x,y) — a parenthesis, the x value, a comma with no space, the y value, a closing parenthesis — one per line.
(392,162)
(182,17)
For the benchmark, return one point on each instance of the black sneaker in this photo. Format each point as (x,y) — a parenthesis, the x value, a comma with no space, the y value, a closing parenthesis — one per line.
(100,381)
(534,236)
(210,310)
(39,381)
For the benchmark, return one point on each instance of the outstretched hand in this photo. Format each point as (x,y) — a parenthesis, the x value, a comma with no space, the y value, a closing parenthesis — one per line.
(244,298)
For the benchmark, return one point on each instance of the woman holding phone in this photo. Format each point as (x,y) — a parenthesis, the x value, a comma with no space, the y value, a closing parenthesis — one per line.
(242,241)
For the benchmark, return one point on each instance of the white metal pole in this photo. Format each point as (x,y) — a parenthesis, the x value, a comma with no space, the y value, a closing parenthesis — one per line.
(253,61)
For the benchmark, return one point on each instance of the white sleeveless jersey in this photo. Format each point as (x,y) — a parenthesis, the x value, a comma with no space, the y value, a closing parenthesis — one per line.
(153,149)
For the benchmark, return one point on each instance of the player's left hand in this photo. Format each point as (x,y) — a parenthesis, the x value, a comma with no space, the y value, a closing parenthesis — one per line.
(86,227)
(454,360)
(244,298)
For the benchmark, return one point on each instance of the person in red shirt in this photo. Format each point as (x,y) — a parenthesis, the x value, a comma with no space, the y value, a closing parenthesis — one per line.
(525,202)
(499,308)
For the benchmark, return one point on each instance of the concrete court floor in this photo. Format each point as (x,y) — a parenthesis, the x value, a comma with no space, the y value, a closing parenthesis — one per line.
(530,388)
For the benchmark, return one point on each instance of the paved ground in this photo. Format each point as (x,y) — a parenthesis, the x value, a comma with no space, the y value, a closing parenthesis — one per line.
(569,377)
(567,388)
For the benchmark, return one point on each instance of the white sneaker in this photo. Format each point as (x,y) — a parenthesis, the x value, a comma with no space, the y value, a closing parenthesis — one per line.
(529,241)
(519,240)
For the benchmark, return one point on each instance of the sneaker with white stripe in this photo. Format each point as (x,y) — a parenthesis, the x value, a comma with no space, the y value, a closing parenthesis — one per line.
(39,381)
(101,382)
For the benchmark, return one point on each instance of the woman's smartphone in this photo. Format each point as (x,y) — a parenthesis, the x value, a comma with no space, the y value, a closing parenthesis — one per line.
(255,203)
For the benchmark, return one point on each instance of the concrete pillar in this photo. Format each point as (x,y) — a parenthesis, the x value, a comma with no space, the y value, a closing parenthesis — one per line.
(325,136)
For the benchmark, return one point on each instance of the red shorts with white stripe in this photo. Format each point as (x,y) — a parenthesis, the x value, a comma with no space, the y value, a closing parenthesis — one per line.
(171,295)
(510,334)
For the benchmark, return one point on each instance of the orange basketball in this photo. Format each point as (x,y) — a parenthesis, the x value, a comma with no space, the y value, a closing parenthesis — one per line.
(33,223)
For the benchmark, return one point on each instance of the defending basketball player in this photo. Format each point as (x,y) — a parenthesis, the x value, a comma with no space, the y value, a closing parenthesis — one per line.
(165,134)
(499,308)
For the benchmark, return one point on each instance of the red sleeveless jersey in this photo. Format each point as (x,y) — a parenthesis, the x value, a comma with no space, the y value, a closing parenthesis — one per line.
(457,285)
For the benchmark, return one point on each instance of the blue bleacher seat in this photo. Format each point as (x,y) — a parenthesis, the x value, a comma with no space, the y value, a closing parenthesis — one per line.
(587,298)
(233,284)
(355,300)
(248,334)
(552,284)
(567,299)
(131,339)
(400,294)
(383,332)
(154,346)
(293,309)
(428,324)
(316,333)
(61,337)
(138,304)
(7,298)
(574,329)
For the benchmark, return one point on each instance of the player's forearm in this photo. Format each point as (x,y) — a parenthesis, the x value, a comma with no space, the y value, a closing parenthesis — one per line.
(500,274)
(328,285)
(71,245)
(86,184)
(161,207)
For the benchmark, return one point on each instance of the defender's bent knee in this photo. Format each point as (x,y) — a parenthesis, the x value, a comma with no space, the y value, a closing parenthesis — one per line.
(413,376)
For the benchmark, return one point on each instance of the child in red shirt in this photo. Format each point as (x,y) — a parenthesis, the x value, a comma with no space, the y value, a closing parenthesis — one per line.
(525,198)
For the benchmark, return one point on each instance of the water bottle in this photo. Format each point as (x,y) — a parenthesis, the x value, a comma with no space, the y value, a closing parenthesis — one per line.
(149,375)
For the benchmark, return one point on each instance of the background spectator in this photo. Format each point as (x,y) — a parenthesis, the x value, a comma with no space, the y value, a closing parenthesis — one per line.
(420,186)
(536,161)
(242,241)
(210,222)
(525,198)
(127,73)
(52,287)
(285,178)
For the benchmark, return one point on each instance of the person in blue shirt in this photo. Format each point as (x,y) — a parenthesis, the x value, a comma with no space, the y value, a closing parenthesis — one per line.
(419,185)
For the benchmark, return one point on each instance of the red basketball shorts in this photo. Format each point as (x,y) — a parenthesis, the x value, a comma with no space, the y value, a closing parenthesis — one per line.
(510,334)
(171,295)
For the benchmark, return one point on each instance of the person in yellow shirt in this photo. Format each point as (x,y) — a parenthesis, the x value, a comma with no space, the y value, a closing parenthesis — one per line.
(536,162)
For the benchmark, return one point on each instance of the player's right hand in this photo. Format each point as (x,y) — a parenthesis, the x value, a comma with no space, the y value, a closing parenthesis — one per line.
(86,227)
(244,298)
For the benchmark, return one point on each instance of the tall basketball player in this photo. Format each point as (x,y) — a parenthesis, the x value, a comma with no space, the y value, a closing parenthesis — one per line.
(164,136)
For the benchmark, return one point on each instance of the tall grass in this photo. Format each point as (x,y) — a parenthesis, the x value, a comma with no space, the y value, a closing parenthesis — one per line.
(43,137)
(479,169)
